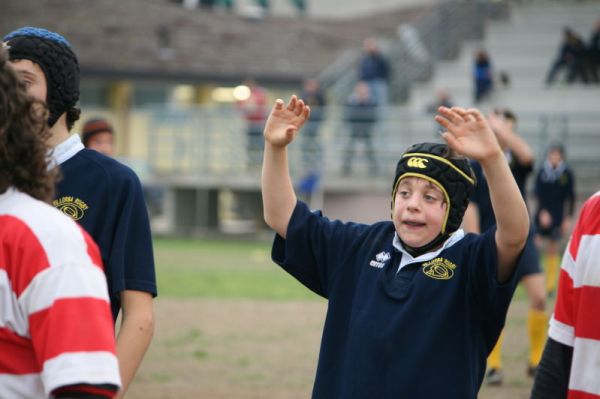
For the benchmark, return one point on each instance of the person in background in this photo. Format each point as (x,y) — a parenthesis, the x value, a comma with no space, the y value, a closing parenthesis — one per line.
(102,195)
(555,195)
(571,56)
(483,76)
(56,331)
(480,217)
(361,116)
(311,144)
(570,364)
(254,110)
(374,69)
(98,134)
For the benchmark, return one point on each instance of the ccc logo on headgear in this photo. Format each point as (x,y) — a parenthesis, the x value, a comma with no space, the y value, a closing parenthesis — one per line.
(416,162)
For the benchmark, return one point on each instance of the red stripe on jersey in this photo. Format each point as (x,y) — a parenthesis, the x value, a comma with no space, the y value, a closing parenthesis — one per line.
(20,247)
(58,329)
(92,248)
(581,395)
(17,355)
(565,300)
(588,322)
(587,224)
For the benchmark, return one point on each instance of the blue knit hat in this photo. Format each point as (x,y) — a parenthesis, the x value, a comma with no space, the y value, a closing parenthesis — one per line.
(53,54)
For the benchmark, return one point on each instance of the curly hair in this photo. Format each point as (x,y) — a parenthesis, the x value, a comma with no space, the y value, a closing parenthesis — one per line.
(23,138)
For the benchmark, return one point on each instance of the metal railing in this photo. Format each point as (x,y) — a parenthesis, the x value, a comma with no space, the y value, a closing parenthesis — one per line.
(211,143)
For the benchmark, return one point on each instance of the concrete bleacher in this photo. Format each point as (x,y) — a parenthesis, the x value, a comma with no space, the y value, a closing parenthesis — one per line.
(524,46)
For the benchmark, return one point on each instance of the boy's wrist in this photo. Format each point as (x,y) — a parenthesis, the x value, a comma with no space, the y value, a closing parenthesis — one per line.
(493,159)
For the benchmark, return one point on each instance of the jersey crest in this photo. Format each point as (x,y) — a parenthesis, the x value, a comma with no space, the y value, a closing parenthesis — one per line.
(71,206)
(439,269)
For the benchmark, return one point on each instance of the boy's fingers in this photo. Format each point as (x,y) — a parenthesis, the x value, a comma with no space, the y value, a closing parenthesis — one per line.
(450,114)
(476,114)
(292,103)
(299,108)
(460,111)
(306,112)
(279,103)
(450,139)
(442,121)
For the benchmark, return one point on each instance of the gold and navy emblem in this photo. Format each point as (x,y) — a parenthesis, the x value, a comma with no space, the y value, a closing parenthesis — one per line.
(439,269)
(71,206)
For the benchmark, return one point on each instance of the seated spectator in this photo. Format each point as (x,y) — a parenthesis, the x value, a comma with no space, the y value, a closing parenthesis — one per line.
(571,57)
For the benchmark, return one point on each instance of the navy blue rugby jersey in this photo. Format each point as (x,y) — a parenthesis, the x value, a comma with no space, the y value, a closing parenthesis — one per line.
(555,194)
(106,198)
(422,332)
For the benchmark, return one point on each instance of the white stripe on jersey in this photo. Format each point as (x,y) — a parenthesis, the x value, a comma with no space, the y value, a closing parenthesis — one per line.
(587,262)
(561,332)
(585,367)
(63,281)
(568,263)
(11,316)
(68,247)
(81,367)
(24,386)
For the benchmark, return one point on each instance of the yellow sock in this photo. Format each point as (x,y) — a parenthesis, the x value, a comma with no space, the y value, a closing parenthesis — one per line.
(537,324)
(552,264)
(494,360)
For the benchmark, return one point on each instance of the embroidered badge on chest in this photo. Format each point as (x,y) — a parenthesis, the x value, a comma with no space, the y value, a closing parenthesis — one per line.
(439,269)
(71,206)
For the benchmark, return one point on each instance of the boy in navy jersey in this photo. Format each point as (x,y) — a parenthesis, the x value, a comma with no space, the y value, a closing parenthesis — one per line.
(50,271)
(101,194)
(555,194)
(415,305)
(479,217)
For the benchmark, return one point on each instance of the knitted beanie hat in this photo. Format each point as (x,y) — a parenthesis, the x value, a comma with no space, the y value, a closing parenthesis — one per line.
(53,54)
(453,176)
(94,126)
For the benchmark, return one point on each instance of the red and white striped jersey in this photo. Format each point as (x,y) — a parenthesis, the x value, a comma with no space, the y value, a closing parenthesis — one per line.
(56,328)
(576,319)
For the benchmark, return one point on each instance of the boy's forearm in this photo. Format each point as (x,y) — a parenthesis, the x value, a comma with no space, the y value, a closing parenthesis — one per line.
(135,334)
(512,218)
(279,198)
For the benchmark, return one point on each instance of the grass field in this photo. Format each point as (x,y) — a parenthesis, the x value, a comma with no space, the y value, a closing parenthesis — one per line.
(232,324)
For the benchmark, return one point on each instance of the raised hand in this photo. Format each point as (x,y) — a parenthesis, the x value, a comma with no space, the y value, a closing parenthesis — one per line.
(468,133)
(285,121)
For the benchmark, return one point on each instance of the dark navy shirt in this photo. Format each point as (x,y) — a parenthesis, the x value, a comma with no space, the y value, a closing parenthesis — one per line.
(106,198)
(481,194)
(422,332)
(554,194)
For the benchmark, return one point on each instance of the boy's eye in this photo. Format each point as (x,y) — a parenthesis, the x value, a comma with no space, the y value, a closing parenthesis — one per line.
(403,193)
(430,198)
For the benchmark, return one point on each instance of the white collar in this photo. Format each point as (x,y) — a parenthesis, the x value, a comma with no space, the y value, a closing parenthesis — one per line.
(10,191)
(67,149)
(408,258)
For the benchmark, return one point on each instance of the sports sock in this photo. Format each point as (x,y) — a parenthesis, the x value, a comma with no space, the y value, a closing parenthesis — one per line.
(552,264)
(494,360)
(537,324)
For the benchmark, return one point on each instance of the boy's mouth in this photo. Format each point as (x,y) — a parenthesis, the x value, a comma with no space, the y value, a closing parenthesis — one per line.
(413,223)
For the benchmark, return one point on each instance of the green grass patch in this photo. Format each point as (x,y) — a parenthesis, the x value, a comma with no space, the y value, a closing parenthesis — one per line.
(222,269)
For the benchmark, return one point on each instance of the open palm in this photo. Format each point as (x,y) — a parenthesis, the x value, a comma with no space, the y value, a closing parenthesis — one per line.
(285,121)
(468,132)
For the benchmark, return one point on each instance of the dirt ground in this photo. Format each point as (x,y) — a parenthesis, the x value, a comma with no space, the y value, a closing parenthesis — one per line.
(243,349)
